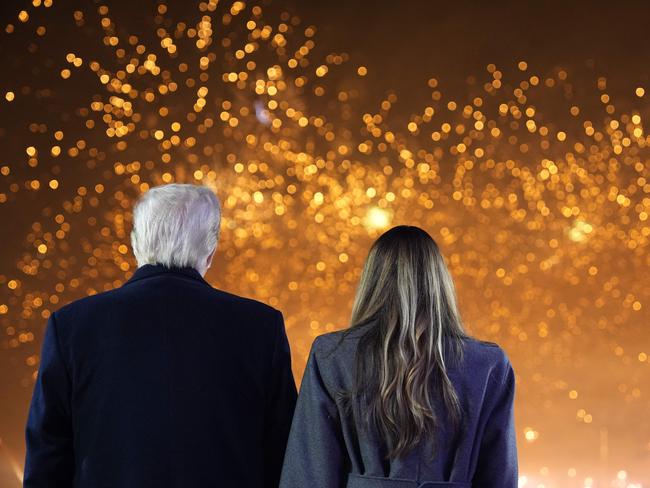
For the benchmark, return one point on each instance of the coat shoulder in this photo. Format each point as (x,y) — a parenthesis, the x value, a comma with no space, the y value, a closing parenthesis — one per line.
(486,351)
(334,354)
(104,304)
(96,302)
(345,342)
(486,360)
(335,343)
(240,303)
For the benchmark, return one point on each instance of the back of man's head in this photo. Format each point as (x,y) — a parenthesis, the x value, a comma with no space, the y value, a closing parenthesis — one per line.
(176,225)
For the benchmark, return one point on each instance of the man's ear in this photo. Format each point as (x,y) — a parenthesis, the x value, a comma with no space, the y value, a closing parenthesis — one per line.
(208,261)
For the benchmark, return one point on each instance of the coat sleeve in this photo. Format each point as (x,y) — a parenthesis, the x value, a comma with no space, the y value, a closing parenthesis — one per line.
(280,406)
(315,454)
(49,459)
(497,459)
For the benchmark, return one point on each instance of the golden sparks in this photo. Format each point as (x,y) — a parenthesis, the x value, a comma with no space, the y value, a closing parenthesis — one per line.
(538,198)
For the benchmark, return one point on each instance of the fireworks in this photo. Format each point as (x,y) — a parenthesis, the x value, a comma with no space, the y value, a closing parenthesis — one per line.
(538,197)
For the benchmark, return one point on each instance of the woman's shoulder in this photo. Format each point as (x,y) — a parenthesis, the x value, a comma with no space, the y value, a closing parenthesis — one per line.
(334,355)
(484,355)
(342,341)
(337,342)
(484,348)
(346,340)
(331,359)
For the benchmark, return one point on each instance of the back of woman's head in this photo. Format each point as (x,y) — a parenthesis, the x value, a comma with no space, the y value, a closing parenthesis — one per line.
(406,297)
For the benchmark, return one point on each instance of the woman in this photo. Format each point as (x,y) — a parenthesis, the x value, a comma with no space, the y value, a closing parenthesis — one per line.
(404,397)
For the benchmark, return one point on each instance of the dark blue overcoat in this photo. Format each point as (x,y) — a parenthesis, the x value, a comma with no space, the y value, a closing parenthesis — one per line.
(163,382)
(327,449)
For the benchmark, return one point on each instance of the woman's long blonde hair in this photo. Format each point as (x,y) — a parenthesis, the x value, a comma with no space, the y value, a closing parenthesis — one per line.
(406,296)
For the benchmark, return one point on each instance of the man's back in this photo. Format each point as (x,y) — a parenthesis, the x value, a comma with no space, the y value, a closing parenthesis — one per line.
(165,381)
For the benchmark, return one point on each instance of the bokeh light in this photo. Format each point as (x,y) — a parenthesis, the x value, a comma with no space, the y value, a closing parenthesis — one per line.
(535,185)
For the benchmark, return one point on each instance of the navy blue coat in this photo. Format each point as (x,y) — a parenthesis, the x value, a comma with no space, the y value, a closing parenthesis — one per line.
(163,382)
(327,449)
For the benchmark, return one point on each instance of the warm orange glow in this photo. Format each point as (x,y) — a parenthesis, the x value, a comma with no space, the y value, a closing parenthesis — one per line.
(535,182)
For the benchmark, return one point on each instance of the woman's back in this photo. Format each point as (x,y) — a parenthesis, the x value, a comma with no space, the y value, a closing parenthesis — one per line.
(404,397)
(327,447)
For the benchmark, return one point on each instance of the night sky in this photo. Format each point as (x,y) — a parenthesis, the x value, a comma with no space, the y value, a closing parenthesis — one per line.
(512,131)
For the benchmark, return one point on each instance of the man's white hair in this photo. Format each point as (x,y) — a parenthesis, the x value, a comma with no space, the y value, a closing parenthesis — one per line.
(176,225)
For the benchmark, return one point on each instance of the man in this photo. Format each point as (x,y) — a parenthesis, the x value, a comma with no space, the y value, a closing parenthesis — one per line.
(165,381)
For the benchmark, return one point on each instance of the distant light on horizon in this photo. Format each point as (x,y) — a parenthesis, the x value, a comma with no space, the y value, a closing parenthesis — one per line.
(580,231)
(377,218)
